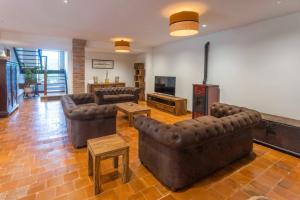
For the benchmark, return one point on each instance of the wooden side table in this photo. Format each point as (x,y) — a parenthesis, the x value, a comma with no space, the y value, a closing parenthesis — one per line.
(106,147)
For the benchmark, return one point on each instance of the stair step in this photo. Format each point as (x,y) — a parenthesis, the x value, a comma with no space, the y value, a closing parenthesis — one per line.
(29,59)
(23,50)
(28,54)
(57,86)
(51,91)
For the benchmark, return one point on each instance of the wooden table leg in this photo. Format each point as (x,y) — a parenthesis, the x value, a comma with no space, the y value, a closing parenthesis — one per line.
(126,166)
(130,117)
(96,177)
(116,162)
(149,113)
(90,164)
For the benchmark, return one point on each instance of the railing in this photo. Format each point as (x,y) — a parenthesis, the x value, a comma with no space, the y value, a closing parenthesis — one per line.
(45,74)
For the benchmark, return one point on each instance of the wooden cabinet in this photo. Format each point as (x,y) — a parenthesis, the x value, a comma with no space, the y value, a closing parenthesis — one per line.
(8,88)
(174,105)
(92,87)
(139,79)
(279,132)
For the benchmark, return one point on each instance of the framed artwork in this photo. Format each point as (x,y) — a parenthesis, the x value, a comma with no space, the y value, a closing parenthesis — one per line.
(102,64)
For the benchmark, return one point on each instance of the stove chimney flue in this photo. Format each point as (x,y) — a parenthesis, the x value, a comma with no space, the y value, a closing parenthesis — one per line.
(206,52)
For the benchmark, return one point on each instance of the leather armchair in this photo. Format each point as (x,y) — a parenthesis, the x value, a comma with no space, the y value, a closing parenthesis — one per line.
(86,120)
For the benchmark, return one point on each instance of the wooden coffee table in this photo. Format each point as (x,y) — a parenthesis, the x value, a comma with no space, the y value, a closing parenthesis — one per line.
(131,109)
(106,147)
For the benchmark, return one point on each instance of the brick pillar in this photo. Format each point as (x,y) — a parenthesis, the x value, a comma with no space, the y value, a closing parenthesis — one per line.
(78,65)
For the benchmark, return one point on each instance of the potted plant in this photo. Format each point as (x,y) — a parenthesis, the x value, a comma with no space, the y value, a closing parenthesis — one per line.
(30,79)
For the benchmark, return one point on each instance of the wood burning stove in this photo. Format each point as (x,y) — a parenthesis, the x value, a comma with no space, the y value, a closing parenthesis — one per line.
(204,95)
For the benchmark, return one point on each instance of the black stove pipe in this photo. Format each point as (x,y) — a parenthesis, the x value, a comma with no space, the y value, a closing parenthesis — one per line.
(206,51)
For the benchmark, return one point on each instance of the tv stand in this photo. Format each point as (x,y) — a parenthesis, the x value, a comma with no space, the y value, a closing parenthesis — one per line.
(174,105)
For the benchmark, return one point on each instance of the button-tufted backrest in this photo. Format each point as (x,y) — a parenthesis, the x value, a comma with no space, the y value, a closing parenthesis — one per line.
(85,112)
(116,90)
(222,110)
(101,92)
(196,131)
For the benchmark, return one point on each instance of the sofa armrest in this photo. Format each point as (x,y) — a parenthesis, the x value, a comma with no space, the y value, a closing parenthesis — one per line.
(136,91)
(83,98)
(99,96)
(92,112)
(67,103)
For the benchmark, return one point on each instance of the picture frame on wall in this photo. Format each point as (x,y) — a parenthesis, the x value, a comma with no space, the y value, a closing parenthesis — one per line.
(102,64)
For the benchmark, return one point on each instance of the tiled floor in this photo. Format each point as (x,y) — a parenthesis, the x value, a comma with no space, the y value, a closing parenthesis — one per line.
(37,162)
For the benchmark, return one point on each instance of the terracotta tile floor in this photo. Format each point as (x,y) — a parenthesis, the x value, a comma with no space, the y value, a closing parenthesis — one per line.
(37,162)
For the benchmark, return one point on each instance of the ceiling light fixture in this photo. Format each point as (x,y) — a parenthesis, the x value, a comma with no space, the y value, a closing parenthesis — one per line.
(204,25)
(122,46)
(184,23)
(66,1)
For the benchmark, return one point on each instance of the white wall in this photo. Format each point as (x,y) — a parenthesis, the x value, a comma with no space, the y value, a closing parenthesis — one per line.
(123,67)
(256,66)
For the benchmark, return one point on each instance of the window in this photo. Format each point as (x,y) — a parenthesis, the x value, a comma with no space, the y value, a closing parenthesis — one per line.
(55,59)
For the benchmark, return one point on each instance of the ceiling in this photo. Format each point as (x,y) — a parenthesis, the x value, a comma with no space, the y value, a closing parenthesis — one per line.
(145,21)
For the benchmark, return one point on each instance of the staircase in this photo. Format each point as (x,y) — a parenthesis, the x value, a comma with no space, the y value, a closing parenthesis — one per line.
(55,81)
(29,58)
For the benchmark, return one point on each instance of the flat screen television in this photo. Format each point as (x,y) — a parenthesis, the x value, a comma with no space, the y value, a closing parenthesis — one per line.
(165,85)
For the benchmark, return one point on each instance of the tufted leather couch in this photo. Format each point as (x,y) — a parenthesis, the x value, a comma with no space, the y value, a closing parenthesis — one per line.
(87,120)
(117,95)
(182,153)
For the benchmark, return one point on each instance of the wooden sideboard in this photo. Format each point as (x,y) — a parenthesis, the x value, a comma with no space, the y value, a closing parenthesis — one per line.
(279,132)
(174,105)
(92,87)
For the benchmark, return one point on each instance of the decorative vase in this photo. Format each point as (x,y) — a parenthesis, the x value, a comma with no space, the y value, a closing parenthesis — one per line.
(106,78)
(95,78)
(117,79)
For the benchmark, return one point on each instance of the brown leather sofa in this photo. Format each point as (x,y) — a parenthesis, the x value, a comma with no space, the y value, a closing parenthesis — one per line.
(116,95)
(182,153)
(87,120)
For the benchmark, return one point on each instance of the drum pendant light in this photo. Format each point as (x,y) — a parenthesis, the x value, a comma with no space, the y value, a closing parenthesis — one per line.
(184,23)
(122,46)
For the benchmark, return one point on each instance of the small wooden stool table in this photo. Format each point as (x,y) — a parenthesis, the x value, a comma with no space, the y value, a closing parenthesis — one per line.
(103,148)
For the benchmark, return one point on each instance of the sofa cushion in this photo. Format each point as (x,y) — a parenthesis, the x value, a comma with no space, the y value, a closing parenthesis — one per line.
(118,97)
(111,98)
(126,96)
(188,122)
(207,119)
